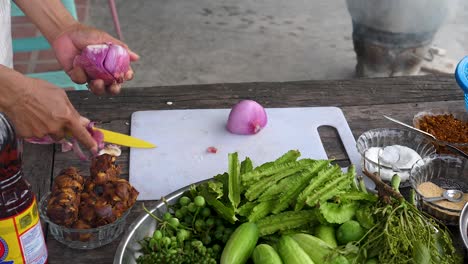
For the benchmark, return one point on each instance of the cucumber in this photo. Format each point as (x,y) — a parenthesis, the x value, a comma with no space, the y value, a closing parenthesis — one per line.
(291,253)
(327,234)
(240,245)
(316,248)
(265,254)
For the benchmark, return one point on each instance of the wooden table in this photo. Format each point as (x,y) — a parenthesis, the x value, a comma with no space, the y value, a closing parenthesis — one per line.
(363,102)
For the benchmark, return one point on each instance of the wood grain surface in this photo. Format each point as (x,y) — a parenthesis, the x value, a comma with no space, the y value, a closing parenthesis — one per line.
(363,102)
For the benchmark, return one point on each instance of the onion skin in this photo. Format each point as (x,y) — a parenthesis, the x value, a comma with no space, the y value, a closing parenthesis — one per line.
(246,118)
(108,62)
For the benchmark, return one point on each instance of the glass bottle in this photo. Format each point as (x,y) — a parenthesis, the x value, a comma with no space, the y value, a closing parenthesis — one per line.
(21,236)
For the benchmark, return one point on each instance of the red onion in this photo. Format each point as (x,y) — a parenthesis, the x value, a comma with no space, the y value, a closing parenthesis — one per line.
(108,62)
(246,118)
(212,150)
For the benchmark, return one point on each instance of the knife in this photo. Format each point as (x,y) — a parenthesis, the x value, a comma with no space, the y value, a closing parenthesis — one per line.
(124,140)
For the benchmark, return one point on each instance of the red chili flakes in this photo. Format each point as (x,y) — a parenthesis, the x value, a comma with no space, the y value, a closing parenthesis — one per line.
(212,150)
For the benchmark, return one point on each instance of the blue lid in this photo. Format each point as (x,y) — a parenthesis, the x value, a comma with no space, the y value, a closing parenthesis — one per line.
(466,100)
(461,75)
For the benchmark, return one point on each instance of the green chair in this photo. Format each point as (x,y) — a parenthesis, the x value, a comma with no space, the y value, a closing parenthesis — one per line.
(59,78)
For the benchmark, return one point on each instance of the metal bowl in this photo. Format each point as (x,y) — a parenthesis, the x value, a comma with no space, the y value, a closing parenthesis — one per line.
(129,248)
(463,225)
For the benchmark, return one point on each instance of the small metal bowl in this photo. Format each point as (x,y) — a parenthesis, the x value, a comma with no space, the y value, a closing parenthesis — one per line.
(463,225)
(83,238)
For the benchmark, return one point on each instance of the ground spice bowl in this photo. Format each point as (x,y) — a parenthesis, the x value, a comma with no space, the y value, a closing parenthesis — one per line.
(447,172)
(460,115)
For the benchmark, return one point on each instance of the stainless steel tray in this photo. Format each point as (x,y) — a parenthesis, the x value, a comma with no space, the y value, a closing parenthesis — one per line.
(129,248)
(464,225)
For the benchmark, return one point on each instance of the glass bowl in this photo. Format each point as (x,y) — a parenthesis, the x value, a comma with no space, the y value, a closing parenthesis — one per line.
(460,115)
(435,172)
(384,137)
(83,238)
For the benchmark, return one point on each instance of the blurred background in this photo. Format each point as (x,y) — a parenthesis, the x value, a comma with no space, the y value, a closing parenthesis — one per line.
(205,41)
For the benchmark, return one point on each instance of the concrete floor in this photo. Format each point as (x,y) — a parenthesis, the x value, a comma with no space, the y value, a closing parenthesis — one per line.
(206,41)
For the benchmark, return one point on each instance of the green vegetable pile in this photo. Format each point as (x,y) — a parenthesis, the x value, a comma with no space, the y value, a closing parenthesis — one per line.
(402,233)
(295,210)
(188,233)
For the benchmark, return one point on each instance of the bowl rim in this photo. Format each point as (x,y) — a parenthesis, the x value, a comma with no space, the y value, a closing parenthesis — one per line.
(425,162)
(43,214)
(362,152)
(463,225)
(435,112)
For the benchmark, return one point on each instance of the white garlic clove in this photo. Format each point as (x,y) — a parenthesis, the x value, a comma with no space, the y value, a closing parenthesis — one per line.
(111,149)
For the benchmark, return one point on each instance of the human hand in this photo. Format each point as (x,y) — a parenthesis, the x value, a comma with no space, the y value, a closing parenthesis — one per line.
(68,44)
(42,109)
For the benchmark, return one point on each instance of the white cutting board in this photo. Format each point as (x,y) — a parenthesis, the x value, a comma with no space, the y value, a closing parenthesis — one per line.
(183,136)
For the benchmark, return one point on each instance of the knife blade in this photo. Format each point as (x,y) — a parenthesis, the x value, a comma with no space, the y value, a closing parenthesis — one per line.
(124,140)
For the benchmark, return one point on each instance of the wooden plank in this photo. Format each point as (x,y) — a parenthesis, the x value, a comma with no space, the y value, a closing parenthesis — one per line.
(341,93)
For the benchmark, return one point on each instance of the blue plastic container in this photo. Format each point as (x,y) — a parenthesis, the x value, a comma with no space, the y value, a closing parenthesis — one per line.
(461,75)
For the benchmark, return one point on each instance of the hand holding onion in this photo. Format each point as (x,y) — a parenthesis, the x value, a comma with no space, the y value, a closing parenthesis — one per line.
(92,56)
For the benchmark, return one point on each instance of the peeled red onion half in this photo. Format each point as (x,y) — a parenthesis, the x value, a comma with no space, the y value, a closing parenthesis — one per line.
(246,118)
(108,62)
